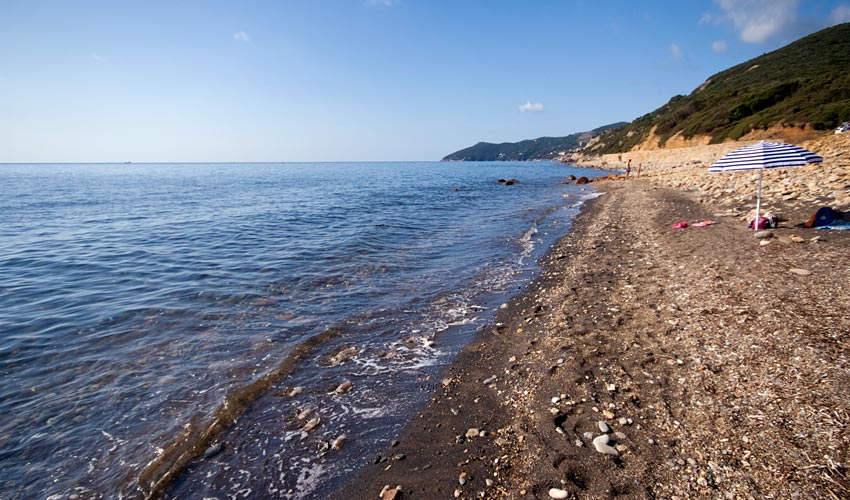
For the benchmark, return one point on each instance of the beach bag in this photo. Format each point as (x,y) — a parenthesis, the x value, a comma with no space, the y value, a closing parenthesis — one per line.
(825,216)
(763,223)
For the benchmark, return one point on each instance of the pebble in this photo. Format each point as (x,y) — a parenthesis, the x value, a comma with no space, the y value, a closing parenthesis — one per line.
(473,432)
(623,421)
(800,272)
(603,426)
(764,234)
(558,493)
(213,450)
(556,400)
(343,387)
(458,493)
(490,380)
(338,442)
(588,435)
(312,424)
(488,482)
(305,413)
(388,493)
(602,446)
(579,443)
(620,435)
(296,391)
(608,414)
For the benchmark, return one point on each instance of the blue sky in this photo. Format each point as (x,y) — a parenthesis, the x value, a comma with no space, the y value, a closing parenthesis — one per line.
(356,80)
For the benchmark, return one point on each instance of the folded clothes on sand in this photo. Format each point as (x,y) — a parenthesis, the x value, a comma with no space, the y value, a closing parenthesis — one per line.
(683,224)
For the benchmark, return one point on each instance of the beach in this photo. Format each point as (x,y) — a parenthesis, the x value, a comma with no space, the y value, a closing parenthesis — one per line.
(652,362)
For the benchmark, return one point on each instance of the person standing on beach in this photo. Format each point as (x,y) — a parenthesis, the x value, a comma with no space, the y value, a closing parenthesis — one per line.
(637,172)
(628,167)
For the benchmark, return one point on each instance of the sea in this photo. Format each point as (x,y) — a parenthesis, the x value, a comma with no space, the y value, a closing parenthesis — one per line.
(245,330)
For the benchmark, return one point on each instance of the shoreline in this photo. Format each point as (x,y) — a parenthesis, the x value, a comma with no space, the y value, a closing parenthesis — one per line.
(701,347)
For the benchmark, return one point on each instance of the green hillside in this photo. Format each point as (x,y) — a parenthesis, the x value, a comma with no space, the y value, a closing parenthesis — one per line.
(805,82)
(542,148)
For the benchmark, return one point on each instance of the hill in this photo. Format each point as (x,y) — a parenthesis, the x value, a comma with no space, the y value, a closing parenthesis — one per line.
(804,84)
(542,148)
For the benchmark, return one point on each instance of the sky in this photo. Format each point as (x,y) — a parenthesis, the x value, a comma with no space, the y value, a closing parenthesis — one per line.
(356,80)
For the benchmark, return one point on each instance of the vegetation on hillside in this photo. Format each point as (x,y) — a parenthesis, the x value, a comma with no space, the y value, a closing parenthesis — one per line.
(542,148)
(805,82)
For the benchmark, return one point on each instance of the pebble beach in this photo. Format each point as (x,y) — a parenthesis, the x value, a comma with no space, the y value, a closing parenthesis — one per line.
(653,362)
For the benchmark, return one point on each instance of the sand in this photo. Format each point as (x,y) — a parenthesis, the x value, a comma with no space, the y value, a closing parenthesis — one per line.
(720,364)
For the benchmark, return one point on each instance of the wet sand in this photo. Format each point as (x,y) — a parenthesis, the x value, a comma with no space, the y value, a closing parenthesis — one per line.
(719,364)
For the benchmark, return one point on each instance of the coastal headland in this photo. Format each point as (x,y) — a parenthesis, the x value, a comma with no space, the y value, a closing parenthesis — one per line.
(652,362)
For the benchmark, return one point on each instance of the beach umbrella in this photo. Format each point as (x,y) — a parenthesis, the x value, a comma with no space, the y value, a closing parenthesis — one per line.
(761,156)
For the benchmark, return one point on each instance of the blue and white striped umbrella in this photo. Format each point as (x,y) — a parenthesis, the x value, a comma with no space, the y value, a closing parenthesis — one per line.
(761,156)
(765,155)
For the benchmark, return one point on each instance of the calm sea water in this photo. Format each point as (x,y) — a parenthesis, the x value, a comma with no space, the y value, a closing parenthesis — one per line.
(180,328)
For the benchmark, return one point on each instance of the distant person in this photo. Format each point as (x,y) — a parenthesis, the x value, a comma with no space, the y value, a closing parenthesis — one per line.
(628,167)
(637,172)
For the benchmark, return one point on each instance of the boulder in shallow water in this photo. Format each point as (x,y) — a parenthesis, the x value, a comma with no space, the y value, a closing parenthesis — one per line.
(582,180)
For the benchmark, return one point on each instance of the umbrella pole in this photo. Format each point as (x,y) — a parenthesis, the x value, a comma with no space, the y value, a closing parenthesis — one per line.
(758,202)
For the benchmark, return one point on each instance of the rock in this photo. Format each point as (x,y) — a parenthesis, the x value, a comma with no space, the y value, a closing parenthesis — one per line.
(343,387)
(619,435)
(501,442)
(558,493)
(490,380)
(571,177)
(473,432)
(488,482)
(338,443)
(582,180)
(623,421)
(305,414)
(388,493)
(603,426)
(213,450)
(608,414)
(763,234)
(296,391)
(342,356)
(800,272)
(312,424)
(588,435)
(602,446)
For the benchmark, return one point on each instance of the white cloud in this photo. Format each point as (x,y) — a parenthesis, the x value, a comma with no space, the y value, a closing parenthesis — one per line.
(719,46)
(676,51)
(840,14)
(757,20)
(241,36)
(533,107)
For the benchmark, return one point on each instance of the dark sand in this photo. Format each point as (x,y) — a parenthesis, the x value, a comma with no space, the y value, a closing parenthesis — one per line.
(726,373)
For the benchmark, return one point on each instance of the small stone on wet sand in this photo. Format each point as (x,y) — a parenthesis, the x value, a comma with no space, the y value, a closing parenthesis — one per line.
(602,446)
